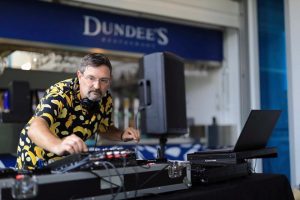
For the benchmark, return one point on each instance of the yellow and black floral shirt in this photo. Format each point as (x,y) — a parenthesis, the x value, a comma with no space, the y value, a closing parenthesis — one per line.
(62,109)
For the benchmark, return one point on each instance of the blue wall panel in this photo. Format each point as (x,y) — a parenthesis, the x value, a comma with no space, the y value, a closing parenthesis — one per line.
(273,79)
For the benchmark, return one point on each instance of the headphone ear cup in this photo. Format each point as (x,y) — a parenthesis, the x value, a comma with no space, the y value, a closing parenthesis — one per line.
(89,104)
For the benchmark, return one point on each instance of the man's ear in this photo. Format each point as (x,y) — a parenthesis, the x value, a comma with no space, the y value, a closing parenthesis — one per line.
(79,74)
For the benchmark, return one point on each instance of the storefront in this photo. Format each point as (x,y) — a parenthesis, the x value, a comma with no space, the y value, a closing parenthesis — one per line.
(211,45)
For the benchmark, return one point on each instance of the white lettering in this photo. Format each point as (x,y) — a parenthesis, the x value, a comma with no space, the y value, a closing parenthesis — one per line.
(107,28)
(150,34)
(119,30)
(93,27)
(140,33)
(87,21)
(130,31)
(163,40)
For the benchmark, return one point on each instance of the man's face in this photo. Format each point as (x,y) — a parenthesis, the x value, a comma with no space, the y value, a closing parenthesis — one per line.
(94,82)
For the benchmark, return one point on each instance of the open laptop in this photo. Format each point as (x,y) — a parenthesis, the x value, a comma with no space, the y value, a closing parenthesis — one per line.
(255,134)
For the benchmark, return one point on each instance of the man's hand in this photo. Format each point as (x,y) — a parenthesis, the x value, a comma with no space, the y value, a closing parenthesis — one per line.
(70,145)
(130,134)
(41,135)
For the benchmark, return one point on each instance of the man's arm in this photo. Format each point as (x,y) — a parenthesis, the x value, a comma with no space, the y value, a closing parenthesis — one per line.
(116,134)
(41,135)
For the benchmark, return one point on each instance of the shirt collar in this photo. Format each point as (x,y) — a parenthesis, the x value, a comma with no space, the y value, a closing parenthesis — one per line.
(76,90)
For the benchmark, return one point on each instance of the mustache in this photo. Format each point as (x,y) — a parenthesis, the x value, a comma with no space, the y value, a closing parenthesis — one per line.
(96,91)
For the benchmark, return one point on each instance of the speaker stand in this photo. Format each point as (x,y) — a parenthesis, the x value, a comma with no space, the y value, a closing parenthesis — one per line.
(162,148)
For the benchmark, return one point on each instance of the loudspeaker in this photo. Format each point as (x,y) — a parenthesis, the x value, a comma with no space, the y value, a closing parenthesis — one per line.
(162,94)
(20,100)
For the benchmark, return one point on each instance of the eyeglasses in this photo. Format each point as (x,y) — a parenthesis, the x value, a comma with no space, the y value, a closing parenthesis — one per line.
(102,81)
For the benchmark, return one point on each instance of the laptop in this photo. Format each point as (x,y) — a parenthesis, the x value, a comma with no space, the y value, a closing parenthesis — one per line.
(255,134)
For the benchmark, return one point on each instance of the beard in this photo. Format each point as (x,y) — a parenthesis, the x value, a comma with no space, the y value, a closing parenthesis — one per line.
(95,95)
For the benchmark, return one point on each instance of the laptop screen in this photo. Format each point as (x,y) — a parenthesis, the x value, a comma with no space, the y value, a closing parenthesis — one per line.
(257,130)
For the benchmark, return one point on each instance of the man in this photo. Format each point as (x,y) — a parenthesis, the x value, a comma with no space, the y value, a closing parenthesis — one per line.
(70,112)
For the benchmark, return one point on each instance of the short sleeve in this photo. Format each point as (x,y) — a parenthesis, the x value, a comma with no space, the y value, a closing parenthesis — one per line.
(50,106)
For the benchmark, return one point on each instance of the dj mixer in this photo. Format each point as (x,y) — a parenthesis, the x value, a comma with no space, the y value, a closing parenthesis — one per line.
(105,174)
(94,160)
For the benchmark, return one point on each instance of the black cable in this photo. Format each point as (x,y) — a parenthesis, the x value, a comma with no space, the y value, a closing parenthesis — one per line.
(109,176)
(124,165)
(100,179)
(105,163)
(151,177)
(121,179)
(249,163)
(96,139)
(136,120)
(136,116)
(103,179)
(137,178)
(254,165)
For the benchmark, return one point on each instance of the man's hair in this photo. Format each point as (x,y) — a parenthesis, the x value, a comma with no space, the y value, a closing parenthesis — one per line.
(94,60)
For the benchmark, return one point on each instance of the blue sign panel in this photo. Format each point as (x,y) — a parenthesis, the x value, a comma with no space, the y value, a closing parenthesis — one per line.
(66,25)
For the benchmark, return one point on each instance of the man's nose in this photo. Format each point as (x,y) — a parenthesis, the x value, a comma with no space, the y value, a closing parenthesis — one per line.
(97,84)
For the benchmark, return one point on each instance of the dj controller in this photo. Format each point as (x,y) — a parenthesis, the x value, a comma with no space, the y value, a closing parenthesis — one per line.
(104,174)
(118,174)
(94,160)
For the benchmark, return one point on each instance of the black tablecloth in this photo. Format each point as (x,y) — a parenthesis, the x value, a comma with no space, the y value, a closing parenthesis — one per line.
(253,187)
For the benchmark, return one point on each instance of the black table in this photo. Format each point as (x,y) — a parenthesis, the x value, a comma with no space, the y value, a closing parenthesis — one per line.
(253,187)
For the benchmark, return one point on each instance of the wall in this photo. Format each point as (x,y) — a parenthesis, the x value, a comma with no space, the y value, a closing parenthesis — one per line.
(223,13)
(221,98)
(292,27)
(218,93)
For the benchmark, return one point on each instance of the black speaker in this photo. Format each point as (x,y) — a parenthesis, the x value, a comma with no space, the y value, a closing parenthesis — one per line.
(20,97)
(162,94)
(19,101)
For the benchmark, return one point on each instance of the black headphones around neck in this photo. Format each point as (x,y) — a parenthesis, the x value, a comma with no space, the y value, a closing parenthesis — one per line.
(89,104)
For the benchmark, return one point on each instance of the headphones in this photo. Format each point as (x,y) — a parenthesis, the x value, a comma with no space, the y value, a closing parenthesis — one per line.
(89,104)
